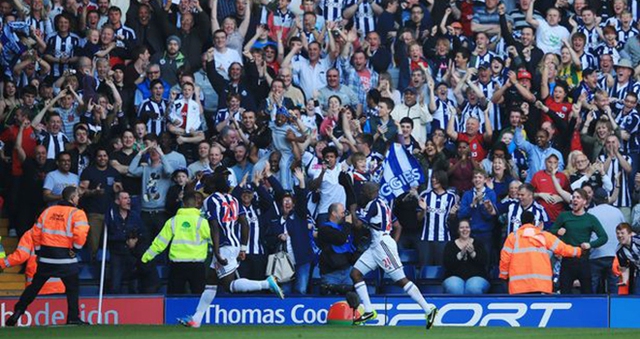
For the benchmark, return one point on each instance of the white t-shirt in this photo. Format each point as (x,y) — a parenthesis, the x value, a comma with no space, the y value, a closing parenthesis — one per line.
(549,39)
(330,189)
(224,60)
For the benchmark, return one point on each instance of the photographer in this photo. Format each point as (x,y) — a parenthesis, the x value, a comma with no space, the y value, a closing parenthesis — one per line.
(336,240)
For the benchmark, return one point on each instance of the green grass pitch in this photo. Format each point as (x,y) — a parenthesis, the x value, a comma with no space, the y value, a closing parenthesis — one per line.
(309,332)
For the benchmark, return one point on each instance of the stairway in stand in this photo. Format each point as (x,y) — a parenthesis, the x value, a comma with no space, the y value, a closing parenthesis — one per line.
(11,281)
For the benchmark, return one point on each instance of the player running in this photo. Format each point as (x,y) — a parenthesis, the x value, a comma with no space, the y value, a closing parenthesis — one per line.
(383,252)
(223,212)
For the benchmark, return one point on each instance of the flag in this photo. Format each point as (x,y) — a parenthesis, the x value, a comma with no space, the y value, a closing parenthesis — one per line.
(400,171)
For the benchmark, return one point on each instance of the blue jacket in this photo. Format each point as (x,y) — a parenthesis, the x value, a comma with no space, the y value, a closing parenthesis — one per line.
(536,156)
(297,228)
(119,230)
(481,220)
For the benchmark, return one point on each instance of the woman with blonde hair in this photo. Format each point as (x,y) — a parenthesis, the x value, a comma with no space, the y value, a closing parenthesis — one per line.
(570,168)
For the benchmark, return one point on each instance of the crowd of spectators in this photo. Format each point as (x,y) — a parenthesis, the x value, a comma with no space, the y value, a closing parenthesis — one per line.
(509,106)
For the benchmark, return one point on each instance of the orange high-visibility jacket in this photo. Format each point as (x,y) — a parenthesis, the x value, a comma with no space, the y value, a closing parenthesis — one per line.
(26,252)
(59,231)
(524,259)
(615,268)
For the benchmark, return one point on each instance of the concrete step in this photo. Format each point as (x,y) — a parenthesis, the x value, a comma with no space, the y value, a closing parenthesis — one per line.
(16,285)
(13,269)
(4,223)
(11,293)
(11,277)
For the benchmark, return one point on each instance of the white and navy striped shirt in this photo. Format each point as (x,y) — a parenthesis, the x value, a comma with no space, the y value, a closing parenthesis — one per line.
(157,125)
(515,213)
(224,208)
(494,112)
(593,39)
(624,36)
(436,216)
(469,111)
(378,218)
(629,122)
(620,91)
(441,114)
(128,34)
(588,61)
(253,219)
(61,47)
(43,25)
(332,9)
(53,143)
(613,51)
(364,18)
(223,114)
(624,194)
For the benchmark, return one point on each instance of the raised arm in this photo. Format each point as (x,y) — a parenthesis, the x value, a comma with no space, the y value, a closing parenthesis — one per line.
(529,16)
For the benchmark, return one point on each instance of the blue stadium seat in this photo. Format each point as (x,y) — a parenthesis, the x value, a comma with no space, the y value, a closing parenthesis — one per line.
(408,256)
(99,256)
(88,272)
(431,272)
(431,289)
(163,271)
(89,290)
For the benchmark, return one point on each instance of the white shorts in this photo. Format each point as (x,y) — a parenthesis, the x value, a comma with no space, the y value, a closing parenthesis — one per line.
(383,255)
(230,253)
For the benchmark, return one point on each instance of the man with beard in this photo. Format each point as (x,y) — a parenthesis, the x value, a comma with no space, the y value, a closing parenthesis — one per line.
(237,80)
(98,183)
(171,59)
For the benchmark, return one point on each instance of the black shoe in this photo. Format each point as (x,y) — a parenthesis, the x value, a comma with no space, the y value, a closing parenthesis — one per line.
(13,319)
(78,322)
(365,317)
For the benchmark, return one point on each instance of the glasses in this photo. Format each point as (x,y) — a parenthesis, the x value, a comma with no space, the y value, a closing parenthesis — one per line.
(153,72)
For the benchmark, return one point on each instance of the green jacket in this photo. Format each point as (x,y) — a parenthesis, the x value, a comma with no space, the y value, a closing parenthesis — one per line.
(189,236)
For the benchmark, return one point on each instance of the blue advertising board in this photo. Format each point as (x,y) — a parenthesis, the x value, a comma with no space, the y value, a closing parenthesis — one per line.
(503,311)
(402,311)
(249,310)
(624,312)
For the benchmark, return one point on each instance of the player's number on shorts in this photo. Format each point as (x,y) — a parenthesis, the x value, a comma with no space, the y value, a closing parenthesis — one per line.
(230,211)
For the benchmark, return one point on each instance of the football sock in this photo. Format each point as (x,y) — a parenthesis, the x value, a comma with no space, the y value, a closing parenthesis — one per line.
(413,291)
(361,289)
(205,300)
(245,285)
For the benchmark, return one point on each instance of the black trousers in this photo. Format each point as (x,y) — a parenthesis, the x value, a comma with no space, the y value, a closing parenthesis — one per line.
(69,276)
(572,269)
(181,273)
(253,267)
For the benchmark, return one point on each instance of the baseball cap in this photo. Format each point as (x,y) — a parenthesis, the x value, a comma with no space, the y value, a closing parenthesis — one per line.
(180,170)
(524,74)
(456,25)
(484,65)
(600,195)
(410,89)
(249,187)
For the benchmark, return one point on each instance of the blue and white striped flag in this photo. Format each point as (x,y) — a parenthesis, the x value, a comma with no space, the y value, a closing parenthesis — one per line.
(401,171)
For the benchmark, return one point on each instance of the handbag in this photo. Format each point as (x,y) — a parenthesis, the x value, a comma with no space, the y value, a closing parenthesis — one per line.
(280,266)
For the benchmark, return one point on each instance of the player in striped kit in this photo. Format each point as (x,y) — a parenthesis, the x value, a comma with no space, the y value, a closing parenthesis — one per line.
(525,203)
(383,253)
(223,212)
(436,205)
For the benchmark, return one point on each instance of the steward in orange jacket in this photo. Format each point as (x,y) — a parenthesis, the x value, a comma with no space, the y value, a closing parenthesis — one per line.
(26,253)
(525,258)
(59,233)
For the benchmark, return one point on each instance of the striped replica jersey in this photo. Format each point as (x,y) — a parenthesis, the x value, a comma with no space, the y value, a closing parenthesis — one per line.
(630,256)
(225,209)
(378,218)
(62,47)
(494,112)
(155,125)
(364,18)
(624,36)
(436,226)
(253,219)
(619,91)
(593,39)
(515,212)
(629,122)
(624,195)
